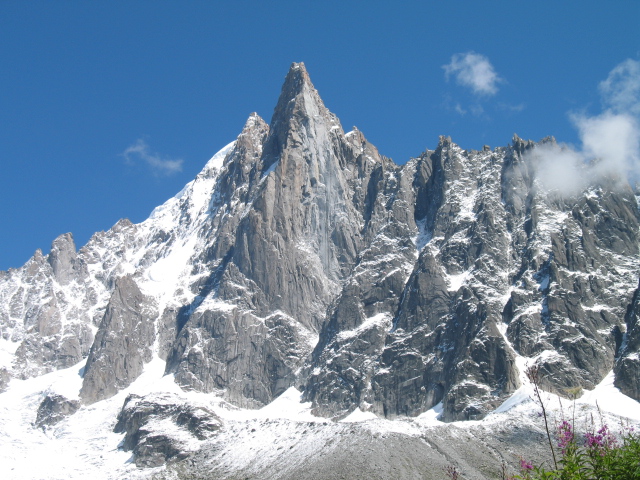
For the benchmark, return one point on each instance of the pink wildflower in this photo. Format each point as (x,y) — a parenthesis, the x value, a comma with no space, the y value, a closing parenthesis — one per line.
(601,440)
(565,436)
(524,465)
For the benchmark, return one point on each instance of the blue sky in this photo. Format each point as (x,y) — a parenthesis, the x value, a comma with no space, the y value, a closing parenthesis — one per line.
(108,108)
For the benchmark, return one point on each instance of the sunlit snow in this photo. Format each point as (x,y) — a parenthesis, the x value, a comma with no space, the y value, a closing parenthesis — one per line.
(85,441)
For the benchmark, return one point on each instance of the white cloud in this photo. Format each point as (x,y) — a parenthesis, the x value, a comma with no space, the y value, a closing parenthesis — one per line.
(559,168)
(621,90)
(459,109)
(475,109)
(610,141)
(140,151)
(474,71)
(510,108)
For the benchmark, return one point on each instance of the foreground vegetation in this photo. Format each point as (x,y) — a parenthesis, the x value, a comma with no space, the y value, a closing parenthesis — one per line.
(598,454)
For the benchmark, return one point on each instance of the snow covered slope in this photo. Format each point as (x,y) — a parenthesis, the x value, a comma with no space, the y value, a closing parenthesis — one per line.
(282,440)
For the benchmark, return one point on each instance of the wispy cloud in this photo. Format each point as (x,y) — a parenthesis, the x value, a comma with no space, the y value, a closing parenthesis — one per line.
(140,151)
(474,71)
(621,90)
(458,108)
(610,141)
(509,108)
(475,109)
(559,168)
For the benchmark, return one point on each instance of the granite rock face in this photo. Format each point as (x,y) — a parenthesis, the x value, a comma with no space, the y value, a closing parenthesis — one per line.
(300,256)
(46,311)
(55,408)
(5,377)
(500,268)
(289,235)
(159,428)
(627,366)
(65,263)
(122,345)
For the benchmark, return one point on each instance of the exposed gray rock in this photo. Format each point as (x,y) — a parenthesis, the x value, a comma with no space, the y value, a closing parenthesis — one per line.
(488,233)
(301,235)
(44,309)
(281,254)
(55,408)
(424,351)
(122,345)
(580,309)
(250,359)
(158,428)
(5,378)
(39,354)
(627,367)
(64,261)
(167,331)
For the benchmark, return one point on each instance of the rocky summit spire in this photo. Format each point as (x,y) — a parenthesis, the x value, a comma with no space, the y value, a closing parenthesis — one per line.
(253,121)
(297,87)
(300,202)
(295,81)
(253,134)
(297,95)
(299,103)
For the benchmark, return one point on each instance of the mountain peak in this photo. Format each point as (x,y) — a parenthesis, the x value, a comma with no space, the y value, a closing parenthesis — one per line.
(252,122)
(299,104)
(296,76)
(296,84)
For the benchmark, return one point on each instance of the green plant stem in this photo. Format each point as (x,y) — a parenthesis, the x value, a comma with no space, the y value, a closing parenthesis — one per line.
(533,373)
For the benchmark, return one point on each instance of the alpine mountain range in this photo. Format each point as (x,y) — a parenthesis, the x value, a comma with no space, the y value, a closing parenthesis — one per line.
(302,257)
